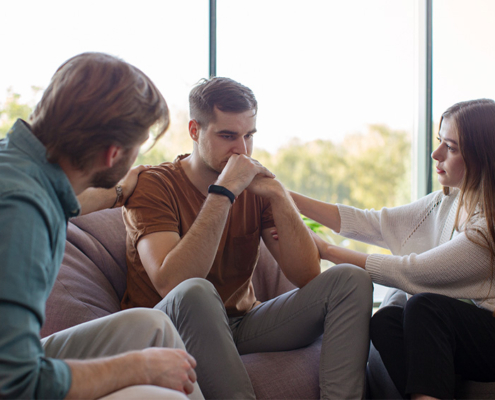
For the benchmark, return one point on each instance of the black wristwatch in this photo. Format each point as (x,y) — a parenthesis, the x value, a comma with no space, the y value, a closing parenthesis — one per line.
(221,190)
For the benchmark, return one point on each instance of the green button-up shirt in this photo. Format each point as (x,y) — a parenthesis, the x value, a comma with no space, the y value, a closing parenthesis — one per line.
(36,201)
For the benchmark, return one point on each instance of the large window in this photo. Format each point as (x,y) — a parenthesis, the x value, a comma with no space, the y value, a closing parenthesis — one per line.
(167,39)
(463,56)
(335,85)
(335,80)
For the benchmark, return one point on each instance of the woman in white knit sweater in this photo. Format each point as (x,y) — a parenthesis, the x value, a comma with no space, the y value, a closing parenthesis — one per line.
(442,250)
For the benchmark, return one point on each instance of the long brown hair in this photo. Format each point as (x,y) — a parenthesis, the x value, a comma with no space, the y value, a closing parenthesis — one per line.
(475,124)
(95,100)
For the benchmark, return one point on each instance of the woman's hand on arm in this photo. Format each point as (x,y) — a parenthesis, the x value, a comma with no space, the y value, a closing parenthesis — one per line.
(333,253)
(337,254)
(325,213)
(95,199)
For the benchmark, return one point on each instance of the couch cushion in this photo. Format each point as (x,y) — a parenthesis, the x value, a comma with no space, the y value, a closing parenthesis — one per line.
(285,374)
(92,276)
(92,280)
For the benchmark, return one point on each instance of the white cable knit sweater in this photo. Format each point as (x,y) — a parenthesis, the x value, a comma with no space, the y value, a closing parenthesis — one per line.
(426,256)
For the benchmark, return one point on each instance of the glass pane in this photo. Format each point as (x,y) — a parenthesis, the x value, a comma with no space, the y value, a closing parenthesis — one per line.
(161,37)
(463,56)
(335,85)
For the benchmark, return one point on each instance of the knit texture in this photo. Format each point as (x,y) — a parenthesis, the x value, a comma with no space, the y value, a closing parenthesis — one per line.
(426,255)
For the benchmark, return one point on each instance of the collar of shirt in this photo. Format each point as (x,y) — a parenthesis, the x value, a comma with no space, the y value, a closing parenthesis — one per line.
(21,137)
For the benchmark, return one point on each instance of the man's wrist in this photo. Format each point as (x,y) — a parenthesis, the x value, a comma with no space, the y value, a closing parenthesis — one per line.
(223,191)
(119,200)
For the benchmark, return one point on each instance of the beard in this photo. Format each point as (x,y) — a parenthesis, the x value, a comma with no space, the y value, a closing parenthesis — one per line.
(211,168)
(109,178)
(207,161)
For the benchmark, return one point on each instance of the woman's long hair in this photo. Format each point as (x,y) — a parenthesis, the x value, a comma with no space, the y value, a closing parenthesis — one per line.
(475,124)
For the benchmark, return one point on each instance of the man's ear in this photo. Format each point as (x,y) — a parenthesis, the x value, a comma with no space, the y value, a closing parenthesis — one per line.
(194,130)
(112,155)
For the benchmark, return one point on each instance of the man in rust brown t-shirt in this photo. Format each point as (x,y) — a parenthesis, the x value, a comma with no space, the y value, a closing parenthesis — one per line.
(167,201)
(194,228)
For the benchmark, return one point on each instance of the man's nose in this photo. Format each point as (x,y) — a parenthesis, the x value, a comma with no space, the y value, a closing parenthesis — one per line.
(241,147)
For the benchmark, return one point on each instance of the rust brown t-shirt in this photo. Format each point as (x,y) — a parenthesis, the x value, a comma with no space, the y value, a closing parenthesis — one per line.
(166,200)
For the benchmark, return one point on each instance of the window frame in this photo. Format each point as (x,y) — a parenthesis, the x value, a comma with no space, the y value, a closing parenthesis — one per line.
(423,123)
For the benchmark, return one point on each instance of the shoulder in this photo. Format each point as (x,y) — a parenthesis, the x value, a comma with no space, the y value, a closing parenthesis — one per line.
(160,186)
(434,198)
(443,204)
(434,202)
(164,174)
(23,194)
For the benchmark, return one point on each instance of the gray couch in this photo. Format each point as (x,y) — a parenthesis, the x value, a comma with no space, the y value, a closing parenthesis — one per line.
(92,281)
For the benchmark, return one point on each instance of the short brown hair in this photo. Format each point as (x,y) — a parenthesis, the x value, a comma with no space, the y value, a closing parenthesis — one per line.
(224,93)
(95,100)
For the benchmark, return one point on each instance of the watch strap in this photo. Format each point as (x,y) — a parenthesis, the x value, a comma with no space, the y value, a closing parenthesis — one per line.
(119,198)
(217,189)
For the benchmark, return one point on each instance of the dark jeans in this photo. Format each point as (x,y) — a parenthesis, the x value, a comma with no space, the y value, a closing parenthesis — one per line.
(433,338)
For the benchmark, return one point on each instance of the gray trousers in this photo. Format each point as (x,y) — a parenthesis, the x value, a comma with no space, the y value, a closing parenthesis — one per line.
(336,304)
(134,329)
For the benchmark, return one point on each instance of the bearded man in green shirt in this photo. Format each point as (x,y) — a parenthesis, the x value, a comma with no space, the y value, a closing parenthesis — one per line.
(85,132)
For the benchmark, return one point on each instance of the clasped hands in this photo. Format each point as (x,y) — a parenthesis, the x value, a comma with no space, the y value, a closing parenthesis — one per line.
(242,172)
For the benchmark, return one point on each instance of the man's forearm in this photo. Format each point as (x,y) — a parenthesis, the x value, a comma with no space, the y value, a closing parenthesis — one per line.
(194,254)
(95,199)
(93,379)
(298,254)
(164,367)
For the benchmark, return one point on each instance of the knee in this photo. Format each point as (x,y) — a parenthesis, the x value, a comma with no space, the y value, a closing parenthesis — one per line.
(194,291)
(352,278)
(425,308)
(192,297)
(146,319)
(421,302)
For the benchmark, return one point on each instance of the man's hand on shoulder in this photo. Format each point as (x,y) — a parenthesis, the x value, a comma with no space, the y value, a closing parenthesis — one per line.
(96,199)
(240,172)
(129,181)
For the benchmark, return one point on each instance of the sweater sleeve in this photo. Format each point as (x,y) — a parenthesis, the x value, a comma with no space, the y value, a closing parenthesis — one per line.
(458,269)
(388,227)
(422,261)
